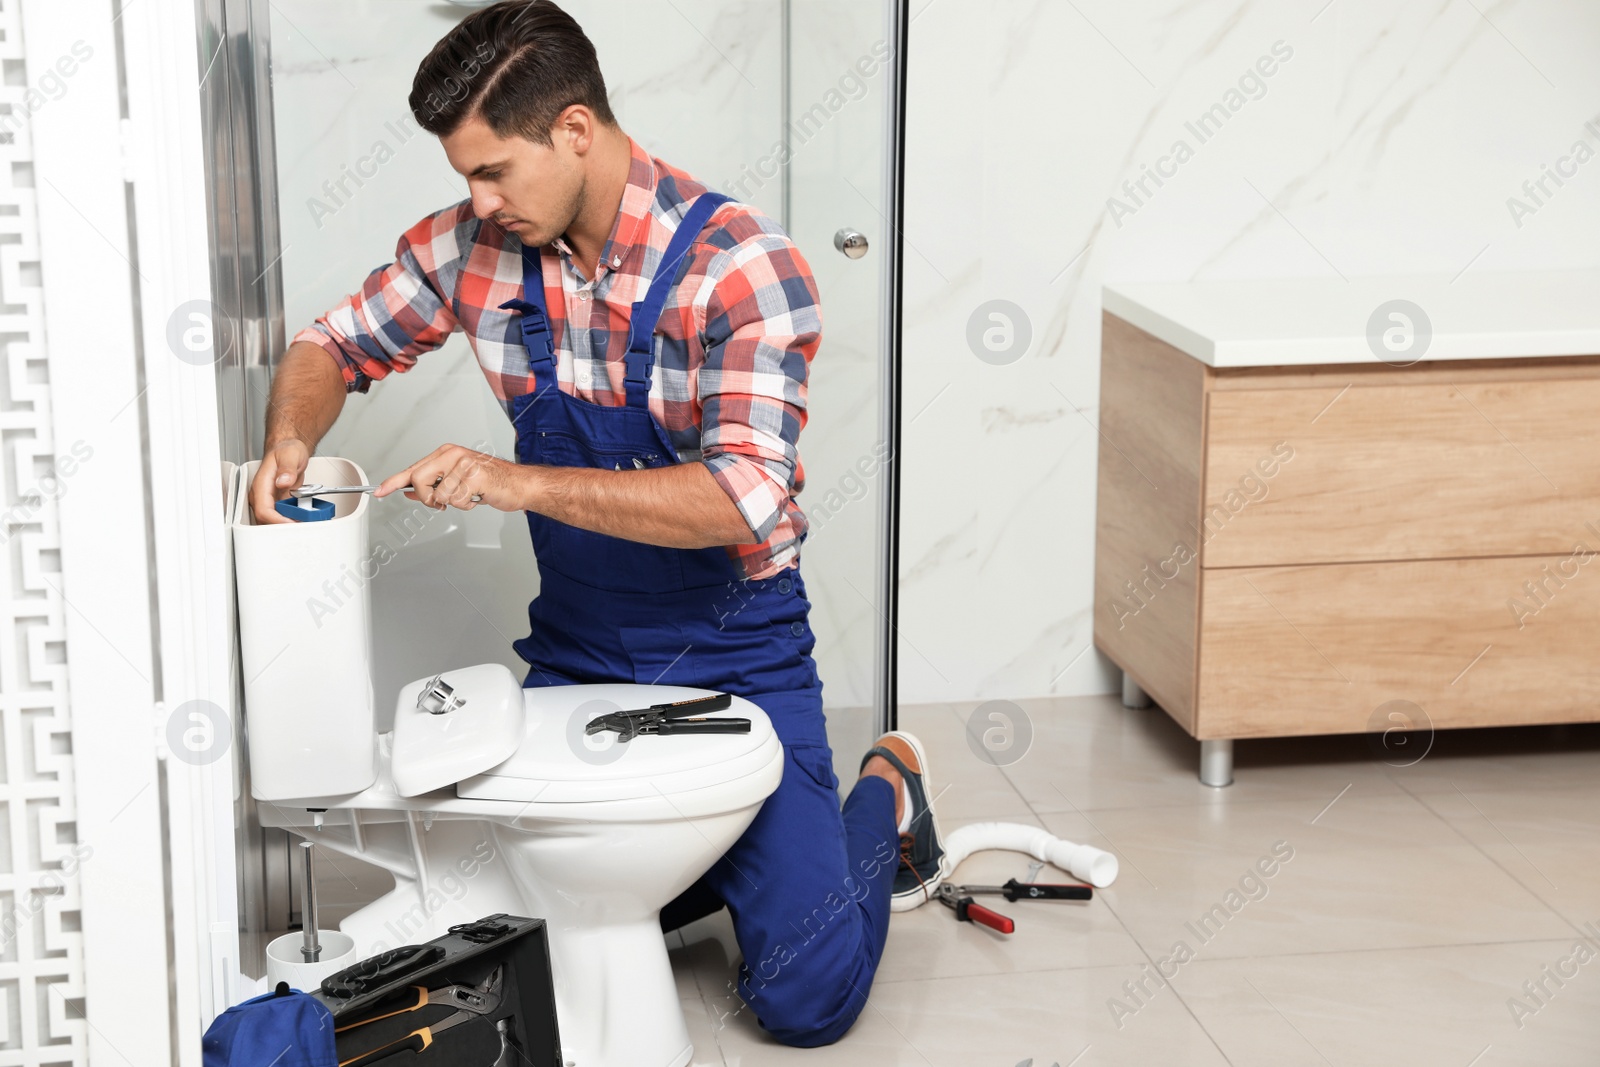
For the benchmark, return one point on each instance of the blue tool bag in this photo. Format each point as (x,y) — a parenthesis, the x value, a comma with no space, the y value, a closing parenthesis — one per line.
(281,1029)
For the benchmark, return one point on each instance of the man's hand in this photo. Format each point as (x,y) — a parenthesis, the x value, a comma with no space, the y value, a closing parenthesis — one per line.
(283,468)
(458,477)
(307,395)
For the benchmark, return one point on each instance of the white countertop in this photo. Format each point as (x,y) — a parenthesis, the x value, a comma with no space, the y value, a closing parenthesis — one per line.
(1303,321)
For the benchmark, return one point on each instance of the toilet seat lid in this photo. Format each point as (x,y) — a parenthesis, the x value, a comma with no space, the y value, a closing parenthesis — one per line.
(557,762)
(432,751)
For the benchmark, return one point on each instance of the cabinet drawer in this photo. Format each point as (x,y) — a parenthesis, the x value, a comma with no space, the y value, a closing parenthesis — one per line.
(1318,649)
(1419,471)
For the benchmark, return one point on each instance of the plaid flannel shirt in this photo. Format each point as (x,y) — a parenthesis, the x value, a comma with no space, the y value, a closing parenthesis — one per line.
(734,344)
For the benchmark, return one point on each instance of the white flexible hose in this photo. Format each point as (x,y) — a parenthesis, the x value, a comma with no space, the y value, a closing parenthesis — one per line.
(1084,862)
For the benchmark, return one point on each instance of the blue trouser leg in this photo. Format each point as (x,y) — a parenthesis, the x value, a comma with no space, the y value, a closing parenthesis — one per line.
(807,887)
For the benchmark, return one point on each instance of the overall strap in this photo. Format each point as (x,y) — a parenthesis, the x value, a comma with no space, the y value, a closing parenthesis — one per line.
(647,312)
(535,321)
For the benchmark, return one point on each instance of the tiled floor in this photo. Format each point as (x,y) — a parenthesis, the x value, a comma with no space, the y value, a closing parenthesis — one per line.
(1415,903)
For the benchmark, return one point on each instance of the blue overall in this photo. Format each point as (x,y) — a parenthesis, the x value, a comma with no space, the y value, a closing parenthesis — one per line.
(806,886)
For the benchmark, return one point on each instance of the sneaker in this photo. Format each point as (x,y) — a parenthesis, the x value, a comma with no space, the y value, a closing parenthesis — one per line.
(922,857)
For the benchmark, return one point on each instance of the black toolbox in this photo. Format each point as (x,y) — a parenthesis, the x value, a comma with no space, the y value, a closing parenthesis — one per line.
(480,996)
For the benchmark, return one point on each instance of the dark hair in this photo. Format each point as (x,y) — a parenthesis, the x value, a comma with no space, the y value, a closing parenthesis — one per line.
(519,64)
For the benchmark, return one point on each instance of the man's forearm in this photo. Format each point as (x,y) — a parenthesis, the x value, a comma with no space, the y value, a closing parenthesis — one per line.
(307,396)
(678,507)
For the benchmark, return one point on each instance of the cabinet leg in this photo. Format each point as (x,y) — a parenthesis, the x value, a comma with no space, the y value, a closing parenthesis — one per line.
(1216,763)
(1132,695)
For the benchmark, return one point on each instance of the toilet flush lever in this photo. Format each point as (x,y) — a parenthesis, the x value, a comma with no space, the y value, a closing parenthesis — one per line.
(438,697)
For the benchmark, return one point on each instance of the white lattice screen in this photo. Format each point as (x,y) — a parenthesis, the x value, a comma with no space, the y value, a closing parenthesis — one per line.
(41,962)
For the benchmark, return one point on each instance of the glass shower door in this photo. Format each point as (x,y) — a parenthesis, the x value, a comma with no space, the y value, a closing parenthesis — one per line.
(789,105)
(840,135)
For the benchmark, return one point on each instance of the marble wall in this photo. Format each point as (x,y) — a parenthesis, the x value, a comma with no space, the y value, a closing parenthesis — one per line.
(1387,138)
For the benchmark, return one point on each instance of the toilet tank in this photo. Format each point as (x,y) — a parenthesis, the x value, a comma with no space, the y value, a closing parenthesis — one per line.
(305,640)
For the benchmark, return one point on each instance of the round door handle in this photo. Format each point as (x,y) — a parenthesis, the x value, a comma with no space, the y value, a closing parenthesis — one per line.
(852,243)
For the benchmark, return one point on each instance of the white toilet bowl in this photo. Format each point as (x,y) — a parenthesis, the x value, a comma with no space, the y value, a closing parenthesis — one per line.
(504,804)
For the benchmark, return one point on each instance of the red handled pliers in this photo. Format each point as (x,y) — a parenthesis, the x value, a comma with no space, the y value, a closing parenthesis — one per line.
(959,898)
